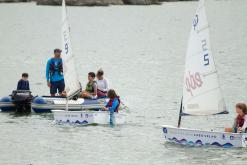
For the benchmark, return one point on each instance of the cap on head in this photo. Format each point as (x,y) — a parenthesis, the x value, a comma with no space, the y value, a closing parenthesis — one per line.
(57,50)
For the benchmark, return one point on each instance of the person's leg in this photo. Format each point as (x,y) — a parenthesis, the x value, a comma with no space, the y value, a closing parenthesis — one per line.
(61,86)
(112,118)
(235,130)
(101,93)
(53,89)
(85,94)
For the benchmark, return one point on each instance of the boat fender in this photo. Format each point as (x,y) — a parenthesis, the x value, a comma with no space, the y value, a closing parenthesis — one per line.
(39,100)
(6,99)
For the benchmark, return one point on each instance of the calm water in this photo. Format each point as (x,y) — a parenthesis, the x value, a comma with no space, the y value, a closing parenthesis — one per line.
(142,51)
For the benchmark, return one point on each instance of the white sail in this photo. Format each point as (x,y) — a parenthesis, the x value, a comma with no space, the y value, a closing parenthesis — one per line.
(201,91)
(72,85)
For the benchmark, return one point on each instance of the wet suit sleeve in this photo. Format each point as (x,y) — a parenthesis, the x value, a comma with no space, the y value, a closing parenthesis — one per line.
(28,88)
(19,84)
(114,106)
(48,70)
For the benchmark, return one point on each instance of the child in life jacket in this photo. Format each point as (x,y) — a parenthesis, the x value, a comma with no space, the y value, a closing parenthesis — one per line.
(240,122)
(113,103)
(91,88)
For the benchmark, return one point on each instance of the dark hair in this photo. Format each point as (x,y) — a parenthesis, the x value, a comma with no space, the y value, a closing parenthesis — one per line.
(242,106)
(92,74)
(111,94)
(24,75)
(100,72)
(57,50)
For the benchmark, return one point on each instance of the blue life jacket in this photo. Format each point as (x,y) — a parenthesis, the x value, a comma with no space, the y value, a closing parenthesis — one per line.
(109,104)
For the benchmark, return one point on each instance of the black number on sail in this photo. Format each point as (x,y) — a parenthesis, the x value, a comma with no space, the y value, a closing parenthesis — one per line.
(205,52)
(66,48)
(195,21)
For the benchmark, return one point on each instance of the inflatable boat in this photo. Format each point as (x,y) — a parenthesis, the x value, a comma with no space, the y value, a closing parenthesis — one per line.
(19,101)
(47,103)
(7,104)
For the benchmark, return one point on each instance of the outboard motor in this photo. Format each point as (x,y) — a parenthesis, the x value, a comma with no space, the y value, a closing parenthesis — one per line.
(22,100)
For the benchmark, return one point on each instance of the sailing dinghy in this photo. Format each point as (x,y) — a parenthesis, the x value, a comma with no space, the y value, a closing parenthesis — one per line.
(201,91)
(72,88)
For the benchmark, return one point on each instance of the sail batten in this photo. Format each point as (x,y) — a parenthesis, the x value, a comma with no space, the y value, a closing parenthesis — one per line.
(201,92)
(72,85)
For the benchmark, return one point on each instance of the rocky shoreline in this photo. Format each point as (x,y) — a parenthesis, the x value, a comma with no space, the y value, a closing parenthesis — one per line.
(94,2)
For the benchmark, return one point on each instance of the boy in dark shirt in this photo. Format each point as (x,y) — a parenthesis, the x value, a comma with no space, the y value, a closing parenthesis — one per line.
(23,83)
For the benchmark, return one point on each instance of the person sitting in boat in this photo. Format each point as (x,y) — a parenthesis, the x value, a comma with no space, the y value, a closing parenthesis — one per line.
(114,102)
(240,123)
(54,73)
(91,88)
(102,84)
(23,83)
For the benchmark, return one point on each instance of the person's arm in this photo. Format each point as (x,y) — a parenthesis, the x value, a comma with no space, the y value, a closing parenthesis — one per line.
(245,124)
(106,85)
(19,85)
(48,73)
(48,70)
(114,106)
(235,123)
(95,89)
(28,88)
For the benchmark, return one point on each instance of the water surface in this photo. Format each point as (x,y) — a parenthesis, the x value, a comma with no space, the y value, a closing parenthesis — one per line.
(142,50)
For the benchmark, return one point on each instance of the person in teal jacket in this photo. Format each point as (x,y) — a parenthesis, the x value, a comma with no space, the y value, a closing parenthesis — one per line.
(113,104)
(54,73)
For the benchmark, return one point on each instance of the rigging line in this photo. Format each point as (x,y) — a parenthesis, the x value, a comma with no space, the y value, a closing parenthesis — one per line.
(208,91)
(209,73)
(203,28)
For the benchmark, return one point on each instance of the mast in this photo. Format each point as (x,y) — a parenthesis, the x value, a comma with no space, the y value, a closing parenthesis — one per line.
(180,112)
(72,84)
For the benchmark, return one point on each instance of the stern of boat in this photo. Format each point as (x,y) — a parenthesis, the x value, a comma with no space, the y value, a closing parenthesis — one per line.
(86,117)
(195,137)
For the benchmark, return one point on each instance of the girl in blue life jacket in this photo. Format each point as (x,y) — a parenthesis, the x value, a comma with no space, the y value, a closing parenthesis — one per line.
(113,104)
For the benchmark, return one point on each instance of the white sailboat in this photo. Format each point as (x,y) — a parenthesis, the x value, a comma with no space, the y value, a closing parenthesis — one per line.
(72,87)
(201,91)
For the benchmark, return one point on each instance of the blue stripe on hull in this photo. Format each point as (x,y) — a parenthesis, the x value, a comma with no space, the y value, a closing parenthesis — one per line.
(84,122)
(198,143)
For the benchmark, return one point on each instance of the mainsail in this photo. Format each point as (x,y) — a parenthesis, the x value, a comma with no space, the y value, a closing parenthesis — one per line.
(201,92)
(72,85)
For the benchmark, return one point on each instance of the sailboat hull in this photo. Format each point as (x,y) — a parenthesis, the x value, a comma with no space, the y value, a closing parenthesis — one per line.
(193,137)
(87,117)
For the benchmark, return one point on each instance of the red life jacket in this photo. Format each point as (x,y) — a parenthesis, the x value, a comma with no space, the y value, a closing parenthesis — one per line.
(240,121)
(109,104)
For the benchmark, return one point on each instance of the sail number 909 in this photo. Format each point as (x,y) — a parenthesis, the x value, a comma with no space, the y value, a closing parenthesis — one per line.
(66,45)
